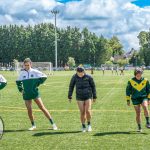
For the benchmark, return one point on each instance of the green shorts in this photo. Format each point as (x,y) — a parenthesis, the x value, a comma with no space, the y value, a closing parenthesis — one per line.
(138,101)
(30,96)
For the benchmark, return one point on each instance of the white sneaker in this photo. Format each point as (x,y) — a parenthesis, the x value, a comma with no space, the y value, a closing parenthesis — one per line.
(89,128)
(83,129)
(32,128)
(139,130)
(54,127)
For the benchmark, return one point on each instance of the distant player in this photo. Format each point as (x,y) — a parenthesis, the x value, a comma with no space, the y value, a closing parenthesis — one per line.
(103,69)
(122,71)
(3,82)
(112,70)
(28,83)
(117,70)
(85,93)
(92,70)
(138,90)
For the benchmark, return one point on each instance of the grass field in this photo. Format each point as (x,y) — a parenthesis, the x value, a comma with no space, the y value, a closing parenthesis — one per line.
(113,122)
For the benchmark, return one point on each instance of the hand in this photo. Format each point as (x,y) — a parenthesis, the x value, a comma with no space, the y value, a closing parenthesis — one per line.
(22,92)
(94,100)
(128,103)
(70,98)
(148,102)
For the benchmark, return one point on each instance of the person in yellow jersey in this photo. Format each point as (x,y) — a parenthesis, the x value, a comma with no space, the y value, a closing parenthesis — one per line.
(138,91)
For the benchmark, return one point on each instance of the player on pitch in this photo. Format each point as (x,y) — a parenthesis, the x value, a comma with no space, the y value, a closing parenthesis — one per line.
(28,83)
(85,93)
(138,90)
(3,82)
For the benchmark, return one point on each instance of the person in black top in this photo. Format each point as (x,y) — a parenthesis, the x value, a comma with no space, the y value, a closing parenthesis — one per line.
(85,93)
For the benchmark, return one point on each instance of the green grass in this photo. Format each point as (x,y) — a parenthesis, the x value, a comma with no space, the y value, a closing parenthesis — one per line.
(113,122)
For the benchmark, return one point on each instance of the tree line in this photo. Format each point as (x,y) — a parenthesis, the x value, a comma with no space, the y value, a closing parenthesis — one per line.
(144,54)
(37,42)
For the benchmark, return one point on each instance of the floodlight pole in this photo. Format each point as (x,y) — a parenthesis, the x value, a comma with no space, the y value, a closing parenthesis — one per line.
(149,38)
(55,12)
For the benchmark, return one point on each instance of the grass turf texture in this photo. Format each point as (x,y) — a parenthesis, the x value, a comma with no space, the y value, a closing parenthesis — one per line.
(113,122)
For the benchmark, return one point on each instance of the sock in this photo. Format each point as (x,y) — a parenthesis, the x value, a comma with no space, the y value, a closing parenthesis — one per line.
(51,121)
(147,120)
(33,123)
(139,126)
(89,123)
(83,125)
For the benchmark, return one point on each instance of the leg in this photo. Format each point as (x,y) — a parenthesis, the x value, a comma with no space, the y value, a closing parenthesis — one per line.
(88,109)
(146,112)
(81,105)
(88,104)
(41,106)
(138,115)
(28,104)
(145,108)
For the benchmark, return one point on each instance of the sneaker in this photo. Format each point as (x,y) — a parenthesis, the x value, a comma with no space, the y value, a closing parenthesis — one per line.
(32,128)
(148,126)
(89,128)
(139,130)
(83,129)
(54,127)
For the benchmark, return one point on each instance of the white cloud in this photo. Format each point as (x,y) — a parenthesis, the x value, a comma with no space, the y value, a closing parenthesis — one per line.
(107,17)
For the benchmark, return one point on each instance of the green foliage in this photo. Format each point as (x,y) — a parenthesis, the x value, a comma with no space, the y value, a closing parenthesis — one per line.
(71,62)
(37,42)
(144,38)
(122,62)
(116,46)
(108,63)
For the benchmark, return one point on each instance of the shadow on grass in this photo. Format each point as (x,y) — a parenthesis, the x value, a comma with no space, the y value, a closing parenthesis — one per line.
(22,130)
(118,132)
(55,133)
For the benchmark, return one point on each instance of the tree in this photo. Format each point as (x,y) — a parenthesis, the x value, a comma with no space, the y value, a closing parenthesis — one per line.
(71,62)
(116,46)
(122,62)
(144,41)
(37,42)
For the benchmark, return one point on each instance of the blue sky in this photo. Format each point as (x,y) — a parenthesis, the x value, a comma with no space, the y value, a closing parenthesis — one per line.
(124,18)
(142,3)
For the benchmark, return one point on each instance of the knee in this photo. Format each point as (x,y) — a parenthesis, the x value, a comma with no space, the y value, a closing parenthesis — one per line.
(138,112)
(83,113)
(29,109)
(42,108)
(145,106)
(88,111)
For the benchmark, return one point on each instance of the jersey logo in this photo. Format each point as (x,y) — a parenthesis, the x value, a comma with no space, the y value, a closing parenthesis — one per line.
(138,86)
(32,75)
(85,79)
(24,77)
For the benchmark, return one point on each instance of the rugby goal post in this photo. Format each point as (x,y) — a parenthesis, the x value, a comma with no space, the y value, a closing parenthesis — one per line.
(41,66)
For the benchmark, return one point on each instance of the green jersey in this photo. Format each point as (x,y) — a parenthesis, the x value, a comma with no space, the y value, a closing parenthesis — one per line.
(28,83)
(138,89)
(3,82)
